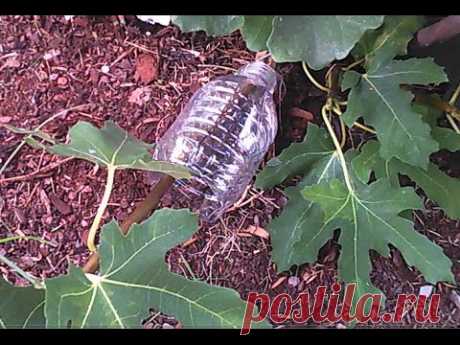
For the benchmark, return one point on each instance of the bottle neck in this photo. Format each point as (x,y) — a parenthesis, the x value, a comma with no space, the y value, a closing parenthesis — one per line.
(260,74)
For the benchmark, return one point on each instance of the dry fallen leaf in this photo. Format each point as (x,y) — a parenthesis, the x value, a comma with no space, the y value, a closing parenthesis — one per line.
(146,68)
(11,62)
(140,96)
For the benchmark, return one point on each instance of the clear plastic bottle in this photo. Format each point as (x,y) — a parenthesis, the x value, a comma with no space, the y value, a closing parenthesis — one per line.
(222,135)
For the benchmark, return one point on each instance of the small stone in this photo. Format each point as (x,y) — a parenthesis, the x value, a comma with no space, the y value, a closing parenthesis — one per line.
(105,69)
(84,223)
(124,203)
(167,326)
(426,290)
(293,281)
(53,76)
(62,81)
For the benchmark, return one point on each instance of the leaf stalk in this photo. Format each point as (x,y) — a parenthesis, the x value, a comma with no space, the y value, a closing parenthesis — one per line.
(101,209)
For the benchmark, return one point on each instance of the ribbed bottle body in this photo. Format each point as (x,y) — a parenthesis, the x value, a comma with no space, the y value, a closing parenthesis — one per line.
(222,135)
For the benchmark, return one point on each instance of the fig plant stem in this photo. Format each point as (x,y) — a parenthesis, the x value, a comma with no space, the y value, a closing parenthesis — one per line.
(338,149)
(101,209)
(313,80)
(141,212)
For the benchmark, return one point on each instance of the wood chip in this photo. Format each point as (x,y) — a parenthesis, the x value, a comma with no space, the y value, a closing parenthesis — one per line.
(60,205)
(45,200)
(257,231)
(303,114)
(278,282)
(189,242)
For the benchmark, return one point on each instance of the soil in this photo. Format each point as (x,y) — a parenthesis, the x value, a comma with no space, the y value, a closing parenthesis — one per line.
(48,64)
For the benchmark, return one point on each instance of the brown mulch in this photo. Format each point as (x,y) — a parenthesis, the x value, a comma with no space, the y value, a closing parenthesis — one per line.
(48,64)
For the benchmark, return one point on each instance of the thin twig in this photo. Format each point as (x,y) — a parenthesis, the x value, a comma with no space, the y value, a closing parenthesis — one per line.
(36,173)
(23,142)
(35,238)
(27,276)
(452,101)
(140,47)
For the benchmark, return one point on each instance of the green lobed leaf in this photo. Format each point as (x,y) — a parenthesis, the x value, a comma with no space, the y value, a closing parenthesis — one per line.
(438,186)
(21,307)
(296,235)
(318,40)
(364,163)
(446,138)
(297,158)
(112,146)
(134,276)
(370,219)
(377,97)
(389,40)
(256,30)
(212,25)
(429,114)
(299,232)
